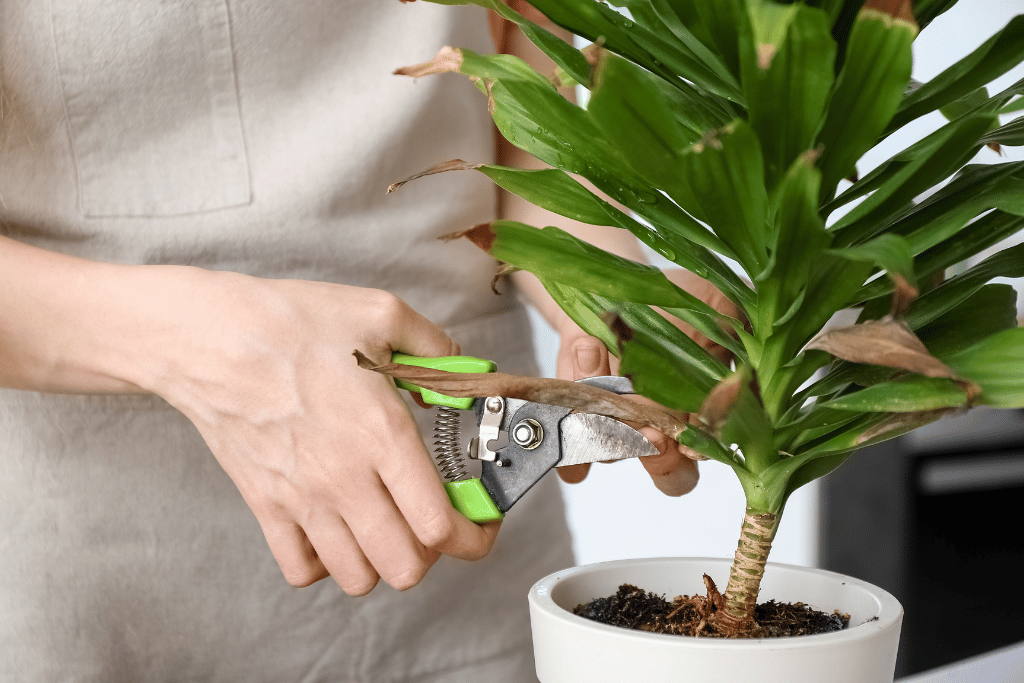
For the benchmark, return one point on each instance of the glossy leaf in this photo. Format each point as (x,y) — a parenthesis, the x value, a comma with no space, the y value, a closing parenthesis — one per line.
(992,59)
(936,145)
(978,236)
(642,319)
(749,426)
(995,363)
(554,254)
(657,373)
(945,297)
(636,118)
(947,151)
(721,183)
(991,309)
(787,78)
(799,236)
(867,92)
(904,395)
(1010,135)
(671,60)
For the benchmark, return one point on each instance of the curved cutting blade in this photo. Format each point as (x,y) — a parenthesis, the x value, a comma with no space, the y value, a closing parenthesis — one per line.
(592,438)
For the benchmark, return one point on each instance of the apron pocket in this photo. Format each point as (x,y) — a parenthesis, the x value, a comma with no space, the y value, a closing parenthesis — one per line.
(152,105)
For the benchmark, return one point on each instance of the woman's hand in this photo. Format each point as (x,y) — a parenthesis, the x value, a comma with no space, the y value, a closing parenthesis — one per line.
(674,469)
(326,455)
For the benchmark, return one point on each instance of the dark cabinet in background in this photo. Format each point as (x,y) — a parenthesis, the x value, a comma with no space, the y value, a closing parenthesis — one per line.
(937,519)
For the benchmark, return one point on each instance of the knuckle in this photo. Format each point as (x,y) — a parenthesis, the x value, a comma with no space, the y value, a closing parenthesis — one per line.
(437,529)
(389,309)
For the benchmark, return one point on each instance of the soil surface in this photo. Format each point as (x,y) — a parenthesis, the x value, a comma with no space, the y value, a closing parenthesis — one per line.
(635,608)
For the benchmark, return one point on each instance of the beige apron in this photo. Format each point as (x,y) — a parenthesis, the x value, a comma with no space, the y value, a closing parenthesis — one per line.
(256,136)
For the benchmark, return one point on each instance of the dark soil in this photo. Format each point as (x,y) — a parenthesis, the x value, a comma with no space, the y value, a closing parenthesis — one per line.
(634,608)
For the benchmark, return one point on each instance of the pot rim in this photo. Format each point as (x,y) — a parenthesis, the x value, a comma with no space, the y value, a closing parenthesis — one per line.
(890,612)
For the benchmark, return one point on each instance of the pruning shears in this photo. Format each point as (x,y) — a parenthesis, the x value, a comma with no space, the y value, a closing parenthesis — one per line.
(517,441)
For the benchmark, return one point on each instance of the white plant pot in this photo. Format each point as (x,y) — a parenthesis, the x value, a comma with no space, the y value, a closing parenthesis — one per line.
(571,649)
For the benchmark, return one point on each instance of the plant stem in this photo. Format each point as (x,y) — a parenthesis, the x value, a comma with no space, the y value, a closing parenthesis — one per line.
(756,536)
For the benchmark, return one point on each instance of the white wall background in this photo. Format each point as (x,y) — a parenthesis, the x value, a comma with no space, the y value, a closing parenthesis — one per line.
(617,513)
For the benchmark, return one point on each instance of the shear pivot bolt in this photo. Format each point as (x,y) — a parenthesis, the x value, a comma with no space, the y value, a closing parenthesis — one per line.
(528,434)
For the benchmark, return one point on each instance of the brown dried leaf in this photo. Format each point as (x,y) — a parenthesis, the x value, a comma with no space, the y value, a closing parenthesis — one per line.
(898,9)
(444,166)
(720,400)
(556,392)
(900,423)
(765,55)
(885,342)
(903,295)
(481,235)
(448,59)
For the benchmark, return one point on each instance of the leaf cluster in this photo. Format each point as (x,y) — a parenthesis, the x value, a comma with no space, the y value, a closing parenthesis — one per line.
(728,132)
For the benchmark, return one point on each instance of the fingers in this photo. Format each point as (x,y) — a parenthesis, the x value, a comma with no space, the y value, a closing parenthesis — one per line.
(411,333)
(421,500)
(672,472)
(299,563)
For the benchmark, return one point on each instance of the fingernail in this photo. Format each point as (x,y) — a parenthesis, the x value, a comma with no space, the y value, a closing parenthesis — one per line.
(692,454)
(588,360)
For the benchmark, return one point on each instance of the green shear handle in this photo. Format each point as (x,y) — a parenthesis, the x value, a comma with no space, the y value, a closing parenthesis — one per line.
(468,496)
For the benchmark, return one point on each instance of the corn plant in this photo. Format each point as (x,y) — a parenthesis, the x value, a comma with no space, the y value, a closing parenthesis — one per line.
(730,130)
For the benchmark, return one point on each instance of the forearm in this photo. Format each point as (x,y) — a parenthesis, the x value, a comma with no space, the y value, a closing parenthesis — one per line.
(69,325)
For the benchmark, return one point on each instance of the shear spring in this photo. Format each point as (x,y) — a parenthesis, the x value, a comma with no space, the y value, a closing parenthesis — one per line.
(448,444)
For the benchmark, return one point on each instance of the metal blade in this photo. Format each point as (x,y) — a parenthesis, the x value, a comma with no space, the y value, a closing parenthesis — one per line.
(591,438)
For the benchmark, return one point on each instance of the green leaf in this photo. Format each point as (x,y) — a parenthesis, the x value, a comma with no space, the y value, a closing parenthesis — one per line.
(644,321)
(813,423)
(556,191)
(995,363)
(724,21)
(1015,106)
(815,469)
(671,60)
(553,254)
(904,395)
(636,118)
(992,59)
(1011,135)
(835,281)
(868,91)
(799,236)
(567,57)
(965,104)
(1007,263)
(787,79)
(891,253)
(683,20)
(947,150)
(578,305)
(925,11)
(749,426)
(930,147)
(991,309)
(978,236)
(657,373)
(721,183)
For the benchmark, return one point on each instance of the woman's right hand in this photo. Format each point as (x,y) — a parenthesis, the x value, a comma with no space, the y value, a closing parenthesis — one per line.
(326,455)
